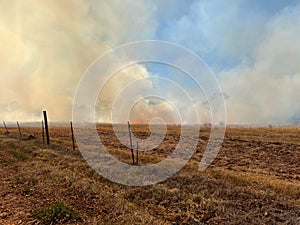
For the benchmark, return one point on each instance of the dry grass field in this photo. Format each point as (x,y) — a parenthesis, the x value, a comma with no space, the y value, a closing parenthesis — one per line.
(255,179)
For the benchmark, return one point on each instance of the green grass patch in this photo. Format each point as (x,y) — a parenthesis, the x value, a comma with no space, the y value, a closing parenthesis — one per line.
(8,161)
(56,213)
(19,155)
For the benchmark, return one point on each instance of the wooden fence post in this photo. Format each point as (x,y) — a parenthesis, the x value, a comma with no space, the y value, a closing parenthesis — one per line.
(5,127)
(43,131)
(19,129)
(137,153)
(129,132)
(73,140)
(46,127)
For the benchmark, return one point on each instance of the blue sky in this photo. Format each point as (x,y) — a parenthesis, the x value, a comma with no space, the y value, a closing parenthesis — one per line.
(251,46)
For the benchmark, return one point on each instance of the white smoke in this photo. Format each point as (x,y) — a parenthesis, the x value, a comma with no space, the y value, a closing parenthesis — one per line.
(268,91)
(47,45)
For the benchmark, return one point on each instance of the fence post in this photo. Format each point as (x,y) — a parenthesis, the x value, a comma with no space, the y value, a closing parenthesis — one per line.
(46,127)
(43,131)
(5,127)
(137,153)
(129,132)
(73,140)
(19,129)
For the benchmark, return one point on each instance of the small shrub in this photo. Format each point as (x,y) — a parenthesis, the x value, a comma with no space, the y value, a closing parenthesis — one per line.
(56,213)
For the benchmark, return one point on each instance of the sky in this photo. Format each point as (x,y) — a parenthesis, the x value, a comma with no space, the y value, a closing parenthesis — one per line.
(252,47)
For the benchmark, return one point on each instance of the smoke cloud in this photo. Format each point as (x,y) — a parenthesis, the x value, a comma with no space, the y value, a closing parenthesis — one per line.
(268,90)
(47,45)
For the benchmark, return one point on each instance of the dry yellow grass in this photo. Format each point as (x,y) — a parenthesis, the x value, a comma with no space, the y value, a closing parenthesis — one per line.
(254,180)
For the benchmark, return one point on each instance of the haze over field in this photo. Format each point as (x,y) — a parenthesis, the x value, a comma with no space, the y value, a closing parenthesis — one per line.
(252,47)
